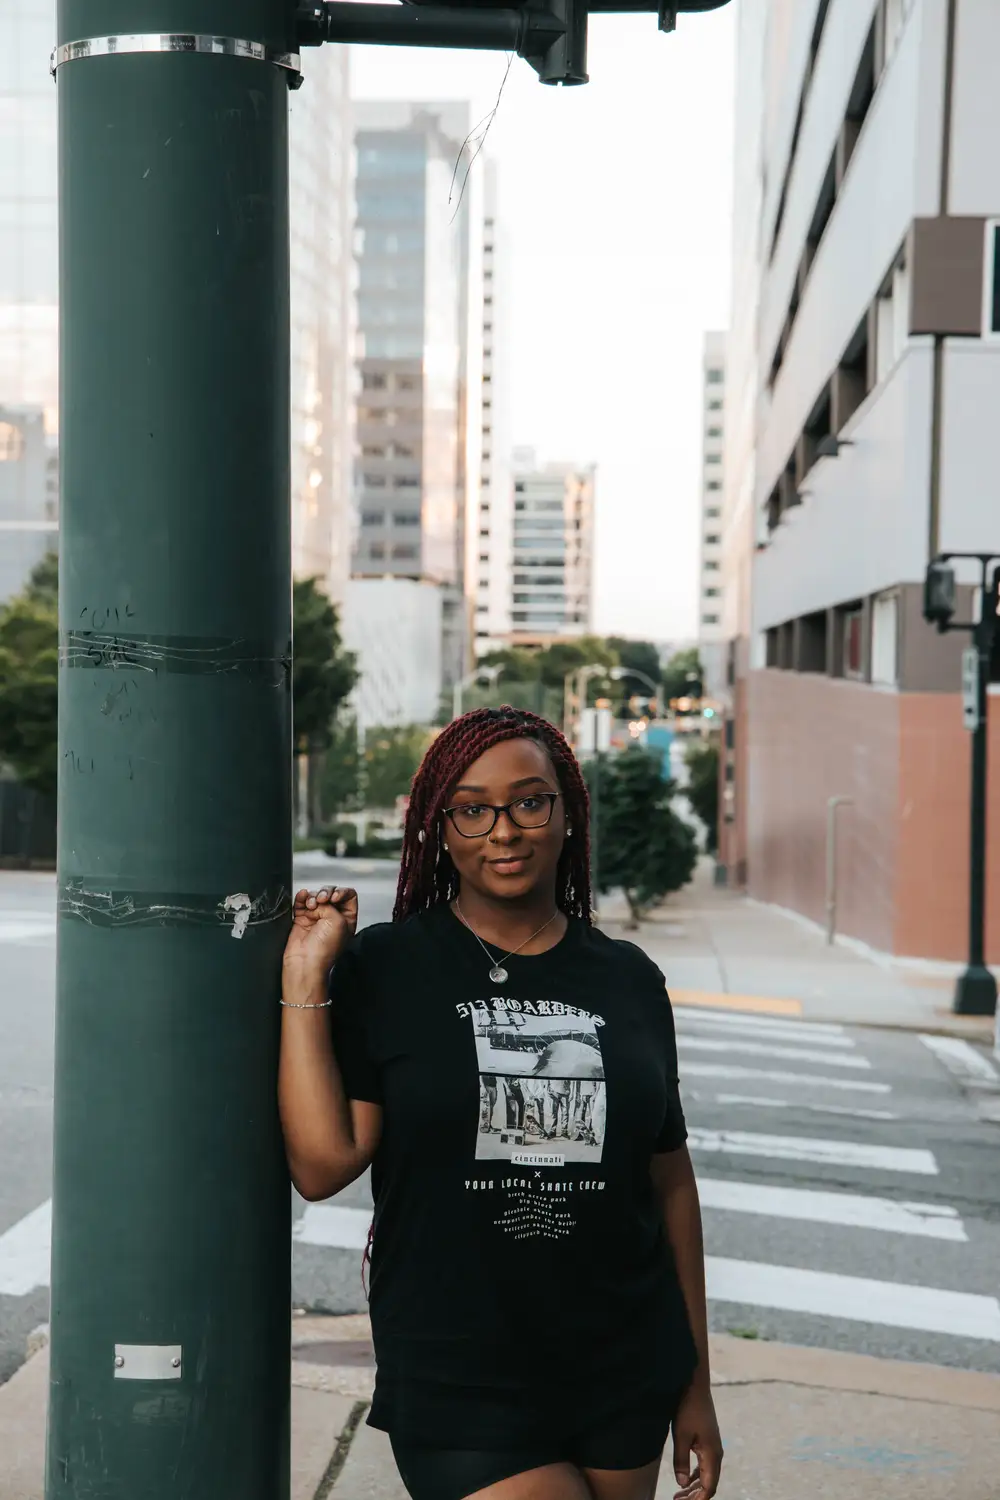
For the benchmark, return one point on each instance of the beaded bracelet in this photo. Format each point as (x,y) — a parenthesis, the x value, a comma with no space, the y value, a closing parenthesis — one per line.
(293,1005)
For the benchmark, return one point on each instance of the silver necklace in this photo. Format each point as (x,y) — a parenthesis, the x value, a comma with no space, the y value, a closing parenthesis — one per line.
(498,974)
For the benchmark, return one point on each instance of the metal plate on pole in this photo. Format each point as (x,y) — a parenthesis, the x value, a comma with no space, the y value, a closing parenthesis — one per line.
(970,688)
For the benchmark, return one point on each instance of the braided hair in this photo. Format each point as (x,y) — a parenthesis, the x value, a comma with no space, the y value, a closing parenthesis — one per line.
(427,876)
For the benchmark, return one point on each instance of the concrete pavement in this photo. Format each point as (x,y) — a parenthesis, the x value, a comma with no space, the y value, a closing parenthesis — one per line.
(795,1422)
(719,948)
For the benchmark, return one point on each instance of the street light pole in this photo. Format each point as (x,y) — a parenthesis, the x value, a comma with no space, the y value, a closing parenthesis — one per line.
(458,691)
(976,989)
(170,1256)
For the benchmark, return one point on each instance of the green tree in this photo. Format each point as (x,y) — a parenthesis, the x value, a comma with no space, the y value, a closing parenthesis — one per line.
(340,777)
(646,850)
(323,672)
(639,657)
(702,761)
(29,666)
(392,756)
(678,673)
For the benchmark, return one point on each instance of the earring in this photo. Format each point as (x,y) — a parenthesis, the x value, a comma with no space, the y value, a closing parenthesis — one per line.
(445,847)
(569,833)
(421,836)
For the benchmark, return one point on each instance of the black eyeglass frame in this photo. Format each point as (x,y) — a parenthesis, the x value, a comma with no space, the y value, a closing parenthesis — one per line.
(552,798)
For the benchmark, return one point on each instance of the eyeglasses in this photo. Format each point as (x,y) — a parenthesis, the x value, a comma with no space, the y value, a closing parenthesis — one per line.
(474,820)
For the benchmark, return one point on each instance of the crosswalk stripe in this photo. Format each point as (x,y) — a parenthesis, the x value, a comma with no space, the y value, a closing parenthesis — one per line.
(780,1075)
(763,1049)
(852,1210)
(762,1102)
(25,1252)
(858,1299)
(961,1058)
(16,926)
(334,1227)
(763,1026)
(804,1148)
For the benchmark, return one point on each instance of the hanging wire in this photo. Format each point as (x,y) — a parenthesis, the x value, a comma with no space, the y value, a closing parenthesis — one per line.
(477,134)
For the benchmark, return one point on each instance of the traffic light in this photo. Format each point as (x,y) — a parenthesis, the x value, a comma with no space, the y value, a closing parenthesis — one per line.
(939,594)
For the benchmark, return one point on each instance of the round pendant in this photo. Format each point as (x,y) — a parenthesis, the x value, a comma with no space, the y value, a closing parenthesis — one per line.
(498,975)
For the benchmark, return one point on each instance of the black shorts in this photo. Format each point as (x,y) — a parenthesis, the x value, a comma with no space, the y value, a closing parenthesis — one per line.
(630,1440)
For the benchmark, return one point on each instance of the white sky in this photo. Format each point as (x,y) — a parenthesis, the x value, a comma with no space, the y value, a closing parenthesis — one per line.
(616,198)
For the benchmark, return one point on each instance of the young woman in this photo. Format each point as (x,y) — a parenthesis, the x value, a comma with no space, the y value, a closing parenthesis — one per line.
(537,1300)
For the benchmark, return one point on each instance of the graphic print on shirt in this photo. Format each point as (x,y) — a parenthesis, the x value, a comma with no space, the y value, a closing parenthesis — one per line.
(542,1098)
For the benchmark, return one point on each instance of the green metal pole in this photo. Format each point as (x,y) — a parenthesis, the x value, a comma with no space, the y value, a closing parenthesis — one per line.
(170,1267)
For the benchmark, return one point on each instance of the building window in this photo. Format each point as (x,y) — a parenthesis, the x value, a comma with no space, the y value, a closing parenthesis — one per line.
(884,629)
(403,551)
(991,311)
(11,443)
(710,619)
(714,377)
(713,458)
(405,518)
(712,539)
(377,551)
(406,482)
(373,381)
(713,512)
(714,432)
(374,481)
(407,382)
(711,566)
(373,518)
(853,653)
(715,406)
(712,593)
(714,484)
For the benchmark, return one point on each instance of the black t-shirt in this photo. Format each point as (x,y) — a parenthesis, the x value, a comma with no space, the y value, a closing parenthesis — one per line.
(515,1219)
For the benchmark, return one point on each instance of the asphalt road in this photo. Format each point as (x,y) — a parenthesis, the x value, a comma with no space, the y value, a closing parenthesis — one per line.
(851,1190)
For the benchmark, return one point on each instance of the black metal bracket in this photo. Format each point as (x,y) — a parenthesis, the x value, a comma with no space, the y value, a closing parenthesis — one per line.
(552,36)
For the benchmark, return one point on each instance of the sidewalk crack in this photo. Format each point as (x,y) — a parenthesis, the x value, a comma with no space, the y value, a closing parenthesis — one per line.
(342,1450)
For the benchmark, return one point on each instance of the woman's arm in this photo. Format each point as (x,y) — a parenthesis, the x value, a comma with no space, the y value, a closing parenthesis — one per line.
(696,1427)
(329,1139)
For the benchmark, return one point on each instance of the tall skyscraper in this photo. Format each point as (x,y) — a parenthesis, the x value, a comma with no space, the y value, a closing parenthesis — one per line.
(710,636)
(491,530)
(553,550)
(28,291)
(323,316)
(420,356)
(863,370)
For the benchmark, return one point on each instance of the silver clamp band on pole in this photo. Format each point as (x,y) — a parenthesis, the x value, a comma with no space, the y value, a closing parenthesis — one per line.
(219,46)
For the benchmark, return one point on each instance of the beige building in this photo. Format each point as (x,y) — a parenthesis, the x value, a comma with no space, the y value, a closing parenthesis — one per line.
(863,377)
(323,319)
(710,627)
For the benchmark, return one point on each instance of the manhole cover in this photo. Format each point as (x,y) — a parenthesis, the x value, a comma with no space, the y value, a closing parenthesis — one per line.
(359,1355)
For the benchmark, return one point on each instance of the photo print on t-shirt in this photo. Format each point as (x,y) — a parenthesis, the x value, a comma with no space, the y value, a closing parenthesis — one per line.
(542,1099)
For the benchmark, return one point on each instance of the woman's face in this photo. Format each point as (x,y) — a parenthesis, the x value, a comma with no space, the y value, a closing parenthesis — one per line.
(510,862)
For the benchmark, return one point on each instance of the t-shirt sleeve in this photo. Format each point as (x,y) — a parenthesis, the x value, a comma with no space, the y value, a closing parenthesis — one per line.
(673,1130)
(350,1019)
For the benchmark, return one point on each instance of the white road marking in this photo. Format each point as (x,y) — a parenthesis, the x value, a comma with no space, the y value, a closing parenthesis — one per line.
(16,926)
(804,1148)
(825,1294)
(778,1075)
(336,1228)
(829,1059)
(807,1032)
(853,1210)
(760,1102)
(25,1252)
(961,1058)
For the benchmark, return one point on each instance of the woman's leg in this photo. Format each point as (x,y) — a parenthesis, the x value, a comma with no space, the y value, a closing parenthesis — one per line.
(553,1482)
(623,1484)
(461,1474)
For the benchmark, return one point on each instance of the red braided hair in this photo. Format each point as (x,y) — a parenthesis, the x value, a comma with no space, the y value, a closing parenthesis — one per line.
(427,876)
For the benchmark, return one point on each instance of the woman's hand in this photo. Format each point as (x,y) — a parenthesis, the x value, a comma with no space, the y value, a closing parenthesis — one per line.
(322,926)
(696,1430)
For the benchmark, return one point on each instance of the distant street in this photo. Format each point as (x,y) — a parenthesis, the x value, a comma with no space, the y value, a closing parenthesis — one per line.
(851,1190)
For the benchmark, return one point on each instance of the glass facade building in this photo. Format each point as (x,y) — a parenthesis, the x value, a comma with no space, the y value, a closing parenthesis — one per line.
(413,315)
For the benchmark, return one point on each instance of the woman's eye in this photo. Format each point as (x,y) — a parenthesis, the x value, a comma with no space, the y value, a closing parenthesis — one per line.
(471,810)
(530,804)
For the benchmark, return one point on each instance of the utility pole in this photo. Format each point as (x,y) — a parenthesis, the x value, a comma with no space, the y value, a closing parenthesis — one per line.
(170,1270)
(171,1235)
(976,989)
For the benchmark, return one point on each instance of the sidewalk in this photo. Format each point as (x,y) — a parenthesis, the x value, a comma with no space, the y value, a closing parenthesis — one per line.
(794,1421)
(718,948)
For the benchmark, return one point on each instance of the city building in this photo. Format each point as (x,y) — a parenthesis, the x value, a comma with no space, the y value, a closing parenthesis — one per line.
(394,627)
(553,550)
(710,636)
(323,319)
(29,273)
(491,531)
(420,356)
(868,353)
(322,302)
